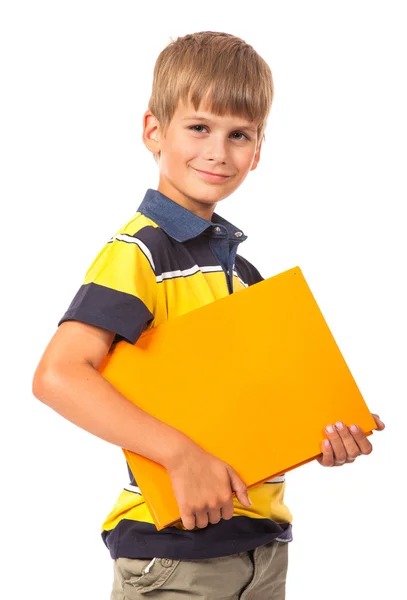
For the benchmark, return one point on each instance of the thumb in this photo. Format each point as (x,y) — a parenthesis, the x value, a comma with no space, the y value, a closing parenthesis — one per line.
(239,487)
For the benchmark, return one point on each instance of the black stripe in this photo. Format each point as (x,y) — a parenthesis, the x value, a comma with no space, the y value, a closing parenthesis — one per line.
(136,539)
(104,307)
(246,271)
(131,476)
(273,482)
(169,255)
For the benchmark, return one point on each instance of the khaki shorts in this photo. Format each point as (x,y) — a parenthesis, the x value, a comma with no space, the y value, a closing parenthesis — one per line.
(258,574)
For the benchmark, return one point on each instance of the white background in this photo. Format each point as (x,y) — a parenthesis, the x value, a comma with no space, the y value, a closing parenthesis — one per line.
(328,195)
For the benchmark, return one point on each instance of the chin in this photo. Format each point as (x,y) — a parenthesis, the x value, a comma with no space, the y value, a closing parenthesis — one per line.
(209,197)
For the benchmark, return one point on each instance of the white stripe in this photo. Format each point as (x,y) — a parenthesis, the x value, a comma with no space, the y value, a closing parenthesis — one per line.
(279,479)
(211,269)
(187,272)
(122,237)
(280,540)
(241,281)
(132,488)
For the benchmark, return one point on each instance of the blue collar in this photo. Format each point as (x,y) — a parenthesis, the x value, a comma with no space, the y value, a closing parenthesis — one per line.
(182,224)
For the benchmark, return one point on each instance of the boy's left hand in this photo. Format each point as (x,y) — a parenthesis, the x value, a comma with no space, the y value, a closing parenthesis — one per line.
(345,445)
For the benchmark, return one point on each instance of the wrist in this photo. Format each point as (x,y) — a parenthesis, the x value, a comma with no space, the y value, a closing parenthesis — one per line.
(178,452)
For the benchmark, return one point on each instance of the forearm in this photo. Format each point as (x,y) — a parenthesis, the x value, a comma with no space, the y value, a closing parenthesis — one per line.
(80,394)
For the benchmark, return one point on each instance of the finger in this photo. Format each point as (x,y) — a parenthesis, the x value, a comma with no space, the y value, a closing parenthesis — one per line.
(327,458)
(201,519)
(364,445)
(239,487)
(214,515)
(338,448)
(227,510)
(379,422)
(351,447)
(188,520)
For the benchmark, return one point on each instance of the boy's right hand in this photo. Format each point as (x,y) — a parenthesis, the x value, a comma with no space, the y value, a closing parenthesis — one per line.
(203,486)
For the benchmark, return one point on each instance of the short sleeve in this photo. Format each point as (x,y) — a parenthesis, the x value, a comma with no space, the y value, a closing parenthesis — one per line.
(119,290)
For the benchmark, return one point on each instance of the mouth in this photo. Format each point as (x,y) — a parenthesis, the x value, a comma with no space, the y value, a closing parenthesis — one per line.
(212,176)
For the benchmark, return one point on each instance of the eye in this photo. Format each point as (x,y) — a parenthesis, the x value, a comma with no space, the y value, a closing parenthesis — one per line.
(193,128)
(239,133)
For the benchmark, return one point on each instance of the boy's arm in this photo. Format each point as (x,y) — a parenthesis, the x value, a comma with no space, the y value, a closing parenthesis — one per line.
(67,380)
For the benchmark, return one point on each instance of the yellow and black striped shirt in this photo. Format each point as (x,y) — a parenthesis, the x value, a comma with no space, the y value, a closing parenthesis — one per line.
(165,262)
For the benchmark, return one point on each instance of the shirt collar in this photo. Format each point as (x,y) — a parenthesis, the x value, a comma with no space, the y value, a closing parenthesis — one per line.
(182,224)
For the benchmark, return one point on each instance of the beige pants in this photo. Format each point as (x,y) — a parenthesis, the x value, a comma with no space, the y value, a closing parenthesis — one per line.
(259,574)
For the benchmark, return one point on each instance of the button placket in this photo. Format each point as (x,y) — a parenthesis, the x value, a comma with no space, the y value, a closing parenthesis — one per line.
(228,253)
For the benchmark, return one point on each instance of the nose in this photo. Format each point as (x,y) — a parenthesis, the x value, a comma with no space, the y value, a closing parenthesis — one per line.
(215,148)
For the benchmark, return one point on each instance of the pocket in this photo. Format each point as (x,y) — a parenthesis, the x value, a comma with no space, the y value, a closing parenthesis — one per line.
(246,558)
(154,574)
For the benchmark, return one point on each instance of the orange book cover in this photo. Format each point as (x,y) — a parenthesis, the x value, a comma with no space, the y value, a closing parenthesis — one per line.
(252,378)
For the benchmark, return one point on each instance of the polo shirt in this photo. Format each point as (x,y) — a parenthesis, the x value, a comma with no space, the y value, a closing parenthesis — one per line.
(164,262)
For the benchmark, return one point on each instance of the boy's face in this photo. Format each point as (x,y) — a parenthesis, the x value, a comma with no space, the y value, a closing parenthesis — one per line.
(224,145)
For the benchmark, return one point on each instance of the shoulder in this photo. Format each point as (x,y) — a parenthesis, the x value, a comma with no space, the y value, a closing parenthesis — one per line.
(142,233)
(138,240)
(138,227)
(248,272)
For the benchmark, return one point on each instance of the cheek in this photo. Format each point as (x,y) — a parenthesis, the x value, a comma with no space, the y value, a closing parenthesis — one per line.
(187,148)
(173,161)
(244,159)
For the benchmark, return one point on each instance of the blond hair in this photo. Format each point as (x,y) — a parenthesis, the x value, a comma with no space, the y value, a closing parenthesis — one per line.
(216,68)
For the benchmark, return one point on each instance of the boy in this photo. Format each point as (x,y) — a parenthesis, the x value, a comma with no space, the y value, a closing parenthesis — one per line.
(211,97)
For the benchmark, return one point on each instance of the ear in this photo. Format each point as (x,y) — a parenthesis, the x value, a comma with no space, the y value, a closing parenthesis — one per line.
(151,132)
(256,156)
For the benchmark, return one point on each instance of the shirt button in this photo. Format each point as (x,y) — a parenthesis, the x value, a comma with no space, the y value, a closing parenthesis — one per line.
(238,234)
(166,562)
(217,229)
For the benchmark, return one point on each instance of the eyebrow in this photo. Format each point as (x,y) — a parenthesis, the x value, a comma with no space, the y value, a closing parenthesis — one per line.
(202,118)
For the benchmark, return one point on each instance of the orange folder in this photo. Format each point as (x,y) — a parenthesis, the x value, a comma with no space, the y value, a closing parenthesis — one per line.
(252,378)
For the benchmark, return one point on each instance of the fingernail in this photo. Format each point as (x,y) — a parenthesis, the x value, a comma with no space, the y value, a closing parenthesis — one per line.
(327,444)
(339,424)
(329,429)
(250,502)
(354,428)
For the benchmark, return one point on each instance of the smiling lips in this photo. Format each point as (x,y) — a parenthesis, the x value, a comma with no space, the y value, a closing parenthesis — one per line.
(212,176)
